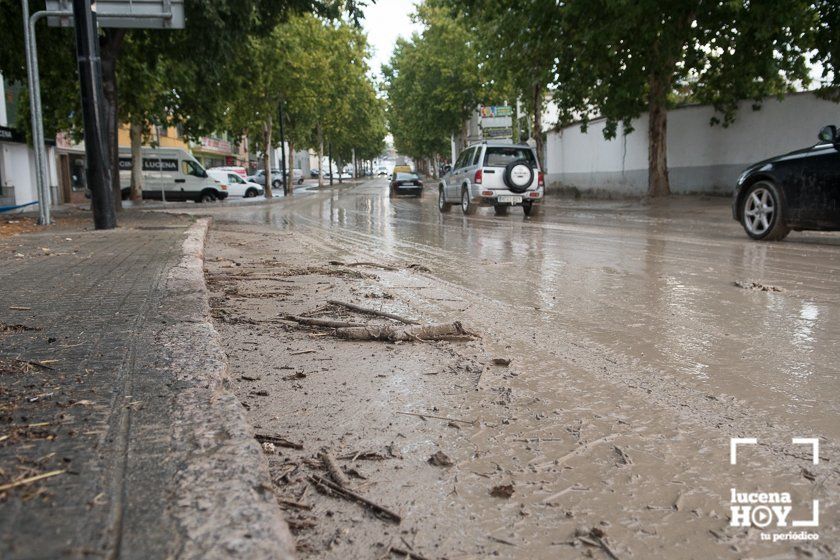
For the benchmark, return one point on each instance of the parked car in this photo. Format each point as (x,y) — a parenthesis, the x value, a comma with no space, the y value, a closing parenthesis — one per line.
(239,170)
(493,173)
(343,176)
(382,171)
(795,191)
(276,177)
(171,174)
(314,173)
(406,183)
(236,185)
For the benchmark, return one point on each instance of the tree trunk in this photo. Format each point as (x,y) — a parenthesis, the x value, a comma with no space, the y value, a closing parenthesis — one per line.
(320,156)
(658,183)
(110,44)
(267,156)
(537,131)
(291,182)
(136,133)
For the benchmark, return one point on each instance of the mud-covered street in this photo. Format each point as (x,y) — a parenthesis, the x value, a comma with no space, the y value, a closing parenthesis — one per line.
(641,338)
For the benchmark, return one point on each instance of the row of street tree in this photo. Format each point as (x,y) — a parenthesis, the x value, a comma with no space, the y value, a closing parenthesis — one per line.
(604,58)
(235,68)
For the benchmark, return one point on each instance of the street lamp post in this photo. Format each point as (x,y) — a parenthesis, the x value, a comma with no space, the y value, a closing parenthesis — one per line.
(90,77)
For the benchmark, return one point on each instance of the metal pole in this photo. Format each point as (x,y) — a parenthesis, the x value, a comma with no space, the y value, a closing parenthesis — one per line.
(160,166)
(329,152)
(90,76)
(35,110)
(286,181)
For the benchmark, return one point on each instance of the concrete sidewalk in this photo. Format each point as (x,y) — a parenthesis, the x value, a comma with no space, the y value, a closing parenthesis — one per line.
(113,386)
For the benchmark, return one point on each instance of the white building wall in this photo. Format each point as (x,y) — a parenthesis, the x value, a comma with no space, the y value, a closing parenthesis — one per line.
(701,158)
(17,164)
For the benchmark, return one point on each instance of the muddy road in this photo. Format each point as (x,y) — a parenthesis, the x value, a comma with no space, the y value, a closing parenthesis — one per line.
(641,338)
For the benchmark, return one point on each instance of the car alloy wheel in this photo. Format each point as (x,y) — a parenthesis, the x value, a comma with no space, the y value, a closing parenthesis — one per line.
(763,212)
(467,207)
(443,206)
(759,211)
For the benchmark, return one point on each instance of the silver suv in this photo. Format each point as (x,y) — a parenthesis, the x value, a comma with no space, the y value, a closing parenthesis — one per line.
(493,173)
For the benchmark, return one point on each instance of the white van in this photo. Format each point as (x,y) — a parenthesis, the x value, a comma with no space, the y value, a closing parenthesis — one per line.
(171,174)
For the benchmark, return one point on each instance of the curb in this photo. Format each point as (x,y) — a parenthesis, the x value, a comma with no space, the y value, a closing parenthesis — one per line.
(223,502)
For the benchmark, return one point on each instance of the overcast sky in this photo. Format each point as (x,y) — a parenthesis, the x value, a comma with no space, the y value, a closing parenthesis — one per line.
(384,22)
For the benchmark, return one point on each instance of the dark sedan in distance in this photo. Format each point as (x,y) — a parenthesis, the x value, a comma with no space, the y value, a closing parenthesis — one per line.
(795,191)
(406,183)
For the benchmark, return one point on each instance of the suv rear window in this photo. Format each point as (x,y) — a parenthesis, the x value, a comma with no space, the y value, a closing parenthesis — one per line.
(407,177)
(500,156)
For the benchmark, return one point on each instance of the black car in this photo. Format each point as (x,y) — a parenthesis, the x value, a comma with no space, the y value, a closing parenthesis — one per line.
(799,190)
(406,183)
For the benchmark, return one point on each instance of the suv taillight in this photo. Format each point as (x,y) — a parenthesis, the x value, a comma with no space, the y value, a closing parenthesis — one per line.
(541,179)
(478,176)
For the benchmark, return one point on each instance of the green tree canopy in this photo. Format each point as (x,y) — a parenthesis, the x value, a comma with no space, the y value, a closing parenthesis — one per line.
(432,83)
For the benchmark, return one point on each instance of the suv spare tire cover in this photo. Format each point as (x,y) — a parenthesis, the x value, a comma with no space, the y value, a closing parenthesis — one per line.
(519,175)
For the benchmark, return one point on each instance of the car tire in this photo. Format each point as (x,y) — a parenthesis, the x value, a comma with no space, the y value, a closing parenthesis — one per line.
(300,181)
(530,209)
(763,212)
(207,196)
(501,209)
(443,206)
(250,193)
(467,205)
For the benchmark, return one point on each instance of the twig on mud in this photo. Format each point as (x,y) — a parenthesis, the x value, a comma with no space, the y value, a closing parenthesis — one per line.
(294,504)
(331,488)
(363,456)
(298,353)
(595,539)
(405,553)
(318,322)
(35,363)
(421,415)
(332,467)
(579,451)
(368,311)
(29,480)
(368,264)
(441,331)
(277,440)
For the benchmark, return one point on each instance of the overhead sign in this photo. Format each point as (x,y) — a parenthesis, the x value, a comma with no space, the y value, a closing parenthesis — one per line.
(11,135)
(130,14)
(497,132)
(494,111)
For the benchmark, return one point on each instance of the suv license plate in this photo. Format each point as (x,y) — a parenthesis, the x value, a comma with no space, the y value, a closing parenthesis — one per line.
(510,199)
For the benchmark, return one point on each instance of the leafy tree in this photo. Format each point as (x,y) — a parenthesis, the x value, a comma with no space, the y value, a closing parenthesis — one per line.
(432,83)
(516,44)
(316,68)
(197,91)
(622,57)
